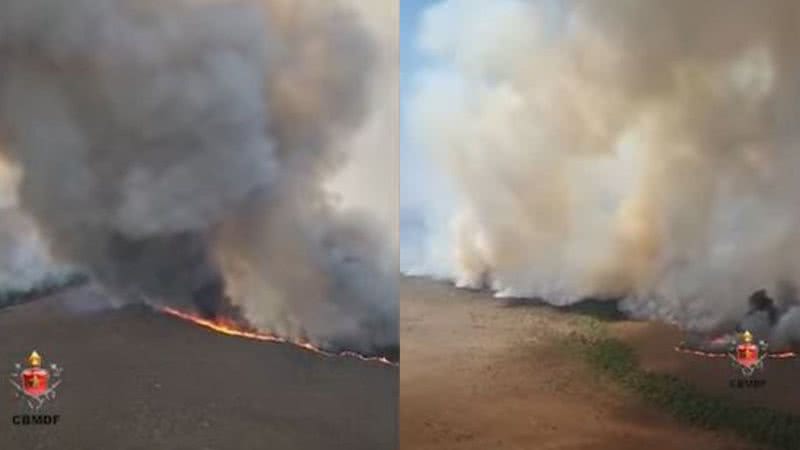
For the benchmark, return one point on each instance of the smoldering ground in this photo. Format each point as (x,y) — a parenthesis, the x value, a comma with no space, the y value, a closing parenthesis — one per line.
(179,151)
(643,150)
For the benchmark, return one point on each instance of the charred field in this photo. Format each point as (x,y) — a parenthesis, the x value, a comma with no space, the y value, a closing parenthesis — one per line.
(137,378)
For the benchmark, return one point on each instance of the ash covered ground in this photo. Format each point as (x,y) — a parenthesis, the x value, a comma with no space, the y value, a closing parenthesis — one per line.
(138,379)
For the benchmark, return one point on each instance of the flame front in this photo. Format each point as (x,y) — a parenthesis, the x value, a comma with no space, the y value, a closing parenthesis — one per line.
(706,354)
(231,328)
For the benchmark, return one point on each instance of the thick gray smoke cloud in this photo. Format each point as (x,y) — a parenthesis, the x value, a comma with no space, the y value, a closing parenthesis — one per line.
(637,149)
(179,150)
(25,265)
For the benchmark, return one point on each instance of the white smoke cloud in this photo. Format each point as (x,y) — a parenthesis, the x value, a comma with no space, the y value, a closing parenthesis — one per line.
(642,149)
(374,148)
(182,150)
(25,264)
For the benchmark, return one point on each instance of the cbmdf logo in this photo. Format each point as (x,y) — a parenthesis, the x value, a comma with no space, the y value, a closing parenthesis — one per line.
(36,383)
(746,355)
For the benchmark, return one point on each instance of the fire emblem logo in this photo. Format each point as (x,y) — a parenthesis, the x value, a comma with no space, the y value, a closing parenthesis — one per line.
(746,355)
(34,383)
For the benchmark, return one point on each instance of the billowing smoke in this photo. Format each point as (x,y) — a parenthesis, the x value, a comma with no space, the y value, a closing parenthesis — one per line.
(645,150)
(25,266)
(180,151)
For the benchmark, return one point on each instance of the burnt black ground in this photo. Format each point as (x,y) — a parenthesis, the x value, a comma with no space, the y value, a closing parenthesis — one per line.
(137,379)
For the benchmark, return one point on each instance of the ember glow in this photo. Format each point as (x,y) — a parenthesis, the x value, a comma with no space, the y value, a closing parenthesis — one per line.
(234,329)
(721,354)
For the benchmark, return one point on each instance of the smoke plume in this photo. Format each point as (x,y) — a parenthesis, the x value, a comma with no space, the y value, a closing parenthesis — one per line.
(644,150)
(179,152)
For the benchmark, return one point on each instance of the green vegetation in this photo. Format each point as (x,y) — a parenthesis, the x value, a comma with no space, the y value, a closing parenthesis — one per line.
(48,285)
(679,398)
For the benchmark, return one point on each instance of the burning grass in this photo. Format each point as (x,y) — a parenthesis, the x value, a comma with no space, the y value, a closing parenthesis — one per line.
(683,348)
(231,328)
(681,399)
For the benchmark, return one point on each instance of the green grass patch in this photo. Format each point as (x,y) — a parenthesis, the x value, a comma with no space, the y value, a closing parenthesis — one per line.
(681,399)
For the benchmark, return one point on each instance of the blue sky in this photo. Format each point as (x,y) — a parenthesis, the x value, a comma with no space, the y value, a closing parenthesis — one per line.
(410,11)
(410,59)
(411,62)
(419,177)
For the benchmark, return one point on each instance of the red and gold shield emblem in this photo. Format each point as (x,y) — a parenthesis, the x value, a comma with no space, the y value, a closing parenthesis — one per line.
(35,381)
(747,354)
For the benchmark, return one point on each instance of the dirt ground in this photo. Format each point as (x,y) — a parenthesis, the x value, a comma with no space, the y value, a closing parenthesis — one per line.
(139,380)
(654,344)
(478,374)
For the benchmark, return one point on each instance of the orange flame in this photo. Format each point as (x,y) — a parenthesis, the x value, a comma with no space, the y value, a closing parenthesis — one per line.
(776,355)
(232,329)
